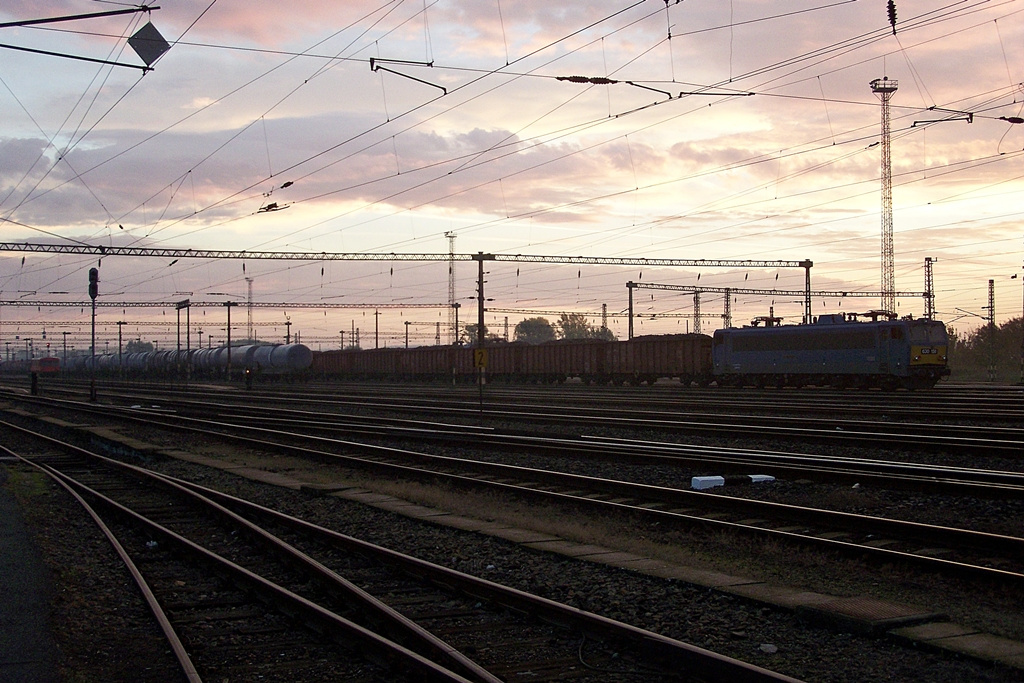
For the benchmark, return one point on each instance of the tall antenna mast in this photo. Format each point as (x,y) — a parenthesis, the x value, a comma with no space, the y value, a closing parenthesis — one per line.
(451,286)
(884,88)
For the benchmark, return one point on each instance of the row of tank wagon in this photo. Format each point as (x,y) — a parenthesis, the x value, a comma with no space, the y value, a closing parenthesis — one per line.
(259,358)
(833,351)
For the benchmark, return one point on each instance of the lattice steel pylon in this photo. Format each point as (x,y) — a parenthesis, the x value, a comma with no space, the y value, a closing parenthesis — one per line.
(991,328)
(696,312)
(452,332)
(727,311)
(929,289)
(884,88)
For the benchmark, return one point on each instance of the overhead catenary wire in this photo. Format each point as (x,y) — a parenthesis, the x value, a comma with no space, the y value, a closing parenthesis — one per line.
(501,177)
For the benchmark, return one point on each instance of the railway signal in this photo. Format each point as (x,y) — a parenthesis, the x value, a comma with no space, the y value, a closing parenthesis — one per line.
(94,290)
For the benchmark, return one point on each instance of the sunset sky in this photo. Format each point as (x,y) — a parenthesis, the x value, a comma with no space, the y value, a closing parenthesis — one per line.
(702,129)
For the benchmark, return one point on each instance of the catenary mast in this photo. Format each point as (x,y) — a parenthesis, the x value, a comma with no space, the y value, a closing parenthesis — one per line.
(452,332)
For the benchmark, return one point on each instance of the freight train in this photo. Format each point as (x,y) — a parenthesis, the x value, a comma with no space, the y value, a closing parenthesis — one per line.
(643,359)
(834,351)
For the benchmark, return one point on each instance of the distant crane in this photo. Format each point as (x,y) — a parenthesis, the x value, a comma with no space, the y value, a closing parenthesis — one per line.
(884,88)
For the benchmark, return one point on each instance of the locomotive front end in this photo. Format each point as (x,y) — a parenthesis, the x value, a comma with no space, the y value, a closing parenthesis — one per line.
(928,362)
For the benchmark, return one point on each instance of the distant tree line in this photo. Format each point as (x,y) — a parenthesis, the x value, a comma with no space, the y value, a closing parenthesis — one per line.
(996,346)
(137,346)
(569,326)
(540,330)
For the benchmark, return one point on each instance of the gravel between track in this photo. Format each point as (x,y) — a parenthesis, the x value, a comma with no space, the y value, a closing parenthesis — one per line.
(105,633)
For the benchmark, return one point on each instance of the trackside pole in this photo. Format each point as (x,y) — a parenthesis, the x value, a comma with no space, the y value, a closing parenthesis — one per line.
(94,290)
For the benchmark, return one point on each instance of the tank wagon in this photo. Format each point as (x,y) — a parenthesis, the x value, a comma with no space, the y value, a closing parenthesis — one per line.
(49,365)
(262,359)
(833,351)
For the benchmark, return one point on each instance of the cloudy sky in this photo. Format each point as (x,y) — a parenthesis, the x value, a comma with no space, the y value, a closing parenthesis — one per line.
(704,129)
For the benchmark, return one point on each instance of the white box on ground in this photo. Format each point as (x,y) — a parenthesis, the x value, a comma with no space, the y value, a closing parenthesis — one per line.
(702,483)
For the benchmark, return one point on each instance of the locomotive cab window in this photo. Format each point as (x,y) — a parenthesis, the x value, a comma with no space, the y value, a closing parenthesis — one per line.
(928,334)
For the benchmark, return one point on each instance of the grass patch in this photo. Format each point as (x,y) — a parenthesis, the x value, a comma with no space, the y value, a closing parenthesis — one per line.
(25,482)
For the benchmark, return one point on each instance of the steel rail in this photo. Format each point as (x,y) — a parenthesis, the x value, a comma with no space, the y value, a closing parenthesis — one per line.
(174,641)
(918,477)
(1007,405)
(1006,440)
(1013,546)
(905,476)
(960,480)
(612,418)
(918,405)
(396,626)
(287,600)
(712,666)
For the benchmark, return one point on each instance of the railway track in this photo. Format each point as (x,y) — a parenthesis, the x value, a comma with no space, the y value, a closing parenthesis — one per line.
(994,405)
(896,475)
(215,569)
(880,432)
(982,556)
(987,405)
(908,476)
(995,441)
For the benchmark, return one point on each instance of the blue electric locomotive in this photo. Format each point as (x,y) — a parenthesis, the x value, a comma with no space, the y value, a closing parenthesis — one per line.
(833,351)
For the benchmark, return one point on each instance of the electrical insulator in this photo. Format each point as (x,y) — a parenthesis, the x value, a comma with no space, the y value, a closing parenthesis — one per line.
(892,15)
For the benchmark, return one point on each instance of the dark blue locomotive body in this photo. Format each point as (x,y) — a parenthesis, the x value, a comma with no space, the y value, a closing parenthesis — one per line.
(833,351)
